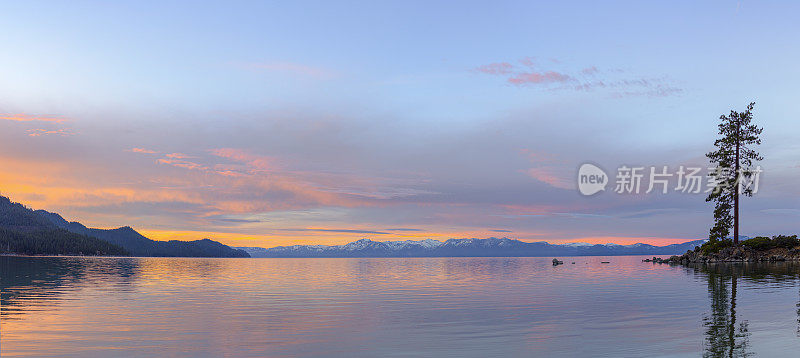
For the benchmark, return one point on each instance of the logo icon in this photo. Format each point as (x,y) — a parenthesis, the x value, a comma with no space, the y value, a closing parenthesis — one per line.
(591,179)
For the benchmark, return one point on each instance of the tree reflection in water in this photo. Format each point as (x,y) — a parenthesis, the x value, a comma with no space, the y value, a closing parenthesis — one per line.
(726,334)
(723,336)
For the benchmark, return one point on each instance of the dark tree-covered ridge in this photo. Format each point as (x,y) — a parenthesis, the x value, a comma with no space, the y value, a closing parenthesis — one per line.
(40,232)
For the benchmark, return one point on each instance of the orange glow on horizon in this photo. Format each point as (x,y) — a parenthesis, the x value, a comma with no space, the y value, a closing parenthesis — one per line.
(73,190)
(333,238)
(310,237)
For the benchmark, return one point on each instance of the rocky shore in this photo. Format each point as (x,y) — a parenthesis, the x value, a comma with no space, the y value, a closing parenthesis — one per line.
(732,254)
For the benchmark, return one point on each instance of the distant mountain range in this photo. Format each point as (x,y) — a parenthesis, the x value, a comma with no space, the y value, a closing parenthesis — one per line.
(39,232)
(25,231)
(467,248)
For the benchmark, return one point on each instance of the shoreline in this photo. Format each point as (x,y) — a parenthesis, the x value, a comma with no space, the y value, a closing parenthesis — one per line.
(733,254)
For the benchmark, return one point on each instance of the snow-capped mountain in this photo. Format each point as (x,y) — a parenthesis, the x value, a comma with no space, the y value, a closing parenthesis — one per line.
(466,247)
(578,244)
(400,245)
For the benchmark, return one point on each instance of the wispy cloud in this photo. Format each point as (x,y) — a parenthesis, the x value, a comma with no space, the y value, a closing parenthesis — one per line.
(45,125)
(550,176)
(31,118)
(234,220)
(498,68)
(523,78)
(178,156)
(142,150)
(254,163)
(527,72)
(252,182)
(38,132)
(182,164)
(548,169)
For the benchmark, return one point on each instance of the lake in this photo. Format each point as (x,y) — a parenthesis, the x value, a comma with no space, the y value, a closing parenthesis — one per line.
(396,307)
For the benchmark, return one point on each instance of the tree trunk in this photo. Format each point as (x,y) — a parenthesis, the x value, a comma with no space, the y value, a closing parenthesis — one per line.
(736,187)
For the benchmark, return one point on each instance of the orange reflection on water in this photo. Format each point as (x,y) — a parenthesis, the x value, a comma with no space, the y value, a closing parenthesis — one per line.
(365,307)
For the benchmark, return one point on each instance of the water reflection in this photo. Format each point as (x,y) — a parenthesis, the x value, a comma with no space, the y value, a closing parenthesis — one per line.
(28,284)
(726,333)
(723,337)
(466,307)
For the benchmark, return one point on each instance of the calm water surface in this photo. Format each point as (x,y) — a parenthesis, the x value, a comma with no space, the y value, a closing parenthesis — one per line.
(419,307)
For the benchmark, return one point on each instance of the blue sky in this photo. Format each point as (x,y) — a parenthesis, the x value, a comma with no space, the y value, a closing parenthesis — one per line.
(263,122)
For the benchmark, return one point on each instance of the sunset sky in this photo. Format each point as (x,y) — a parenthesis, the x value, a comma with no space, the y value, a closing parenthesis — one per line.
(265,124)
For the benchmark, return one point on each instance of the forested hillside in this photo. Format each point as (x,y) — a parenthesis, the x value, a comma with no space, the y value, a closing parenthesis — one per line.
(29,232)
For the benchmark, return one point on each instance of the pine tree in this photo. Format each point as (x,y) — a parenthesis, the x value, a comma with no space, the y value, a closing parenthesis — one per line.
(734,159)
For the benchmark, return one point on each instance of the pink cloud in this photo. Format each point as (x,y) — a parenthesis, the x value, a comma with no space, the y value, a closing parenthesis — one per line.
(177,156)
(521,78)
(182,164)
(549,176)
(256,163)
(499,68)
(227,172)
(539,77)
(247,164)
(142,150)
(52,125)
(548,169)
